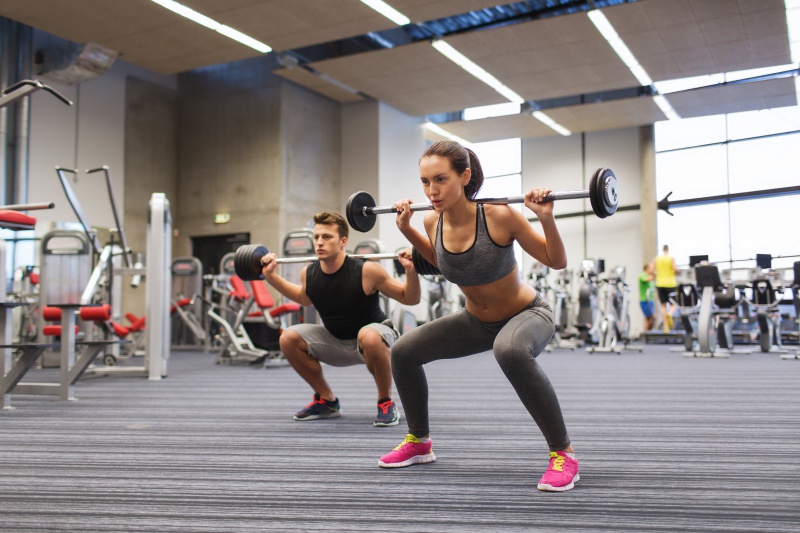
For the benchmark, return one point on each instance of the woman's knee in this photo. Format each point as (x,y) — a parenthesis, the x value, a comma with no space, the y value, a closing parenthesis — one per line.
(524,343)
(403,350)
(509,355)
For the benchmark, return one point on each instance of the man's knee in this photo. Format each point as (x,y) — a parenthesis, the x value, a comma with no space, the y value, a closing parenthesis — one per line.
(291,341)
(371,343)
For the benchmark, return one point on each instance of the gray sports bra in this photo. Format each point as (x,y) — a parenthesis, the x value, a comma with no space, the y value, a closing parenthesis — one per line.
(484,262)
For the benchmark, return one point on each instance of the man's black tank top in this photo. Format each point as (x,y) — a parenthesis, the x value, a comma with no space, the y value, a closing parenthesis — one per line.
(340,300)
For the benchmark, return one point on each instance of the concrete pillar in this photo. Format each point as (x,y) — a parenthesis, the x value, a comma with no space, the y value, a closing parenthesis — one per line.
(649,202)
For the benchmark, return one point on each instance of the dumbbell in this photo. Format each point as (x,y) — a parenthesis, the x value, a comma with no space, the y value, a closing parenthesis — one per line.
(603,193)
(247,261)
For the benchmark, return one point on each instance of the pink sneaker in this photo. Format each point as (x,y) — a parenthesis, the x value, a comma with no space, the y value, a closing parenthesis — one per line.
(411,451)
(562,473)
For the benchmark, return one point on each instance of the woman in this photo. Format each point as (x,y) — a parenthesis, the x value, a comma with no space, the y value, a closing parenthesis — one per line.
(472,244)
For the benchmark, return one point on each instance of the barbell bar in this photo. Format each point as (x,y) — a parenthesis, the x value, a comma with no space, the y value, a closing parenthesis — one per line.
(603,193)
(247,261)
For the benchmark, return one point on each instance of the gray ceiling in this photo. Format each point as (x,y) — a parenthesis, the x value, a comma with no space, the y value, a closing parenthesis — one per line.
(549,56)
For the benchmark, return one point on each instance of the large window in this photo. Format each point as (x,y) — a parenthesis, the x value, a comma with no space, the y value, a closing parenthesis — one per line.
(502,172)
(723,155)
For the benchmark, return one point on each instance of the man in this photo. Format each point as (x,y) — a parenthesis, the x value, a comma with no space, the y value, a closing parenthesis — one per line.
(666,282)
(344,292)
(646,294)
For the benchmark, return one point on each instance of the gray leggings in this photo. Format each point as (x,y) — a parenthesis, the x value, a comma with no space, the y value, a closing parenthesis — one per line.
(515,341)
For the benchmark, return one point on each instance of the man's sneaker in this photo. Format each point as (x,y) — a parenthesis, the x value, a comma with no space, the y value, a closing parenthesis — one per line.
(387,414)
(319,408)
(411,451)
(562,473)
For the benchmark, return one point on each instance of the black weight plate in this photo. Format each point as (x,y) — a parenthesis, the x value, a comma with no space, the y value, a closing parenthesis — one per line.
(355,211)
(610,192)
(422,265)
(594,181)
(247,261)
(240,265)
(600,186)
(255,262)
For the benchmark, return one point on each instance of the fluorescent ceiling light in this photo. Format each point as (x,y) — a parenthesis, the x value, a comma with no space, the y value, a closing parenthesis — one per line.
(547,121)
(494,110)
(446,134)
(685,84)
(388,11)
(695,82)
(610,34)
(467,64)
(618,45)
(212,24)
(755,72)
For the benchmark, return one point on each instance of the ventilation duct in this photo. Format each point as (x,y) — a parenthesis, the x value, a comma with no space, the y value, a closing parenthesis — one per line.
(75,63)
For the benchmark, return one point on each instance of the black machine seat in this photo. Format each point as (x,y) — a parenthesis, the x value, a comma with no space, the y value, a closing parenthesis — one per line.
(686,296)
(763,293)
(725,299)
(708,276)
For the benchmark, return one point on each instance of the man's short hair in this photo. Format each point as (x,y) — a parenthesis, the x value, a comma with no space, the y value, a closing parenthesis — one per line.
(333,219)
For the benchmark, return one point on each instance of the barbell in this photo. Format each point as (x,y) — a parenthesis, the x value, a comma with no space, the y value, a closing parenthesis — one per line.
(247,261)
(603,193)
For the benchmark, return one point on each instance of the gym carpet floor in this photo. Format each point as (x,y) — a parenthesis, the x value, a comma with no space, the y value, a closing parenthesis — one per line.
(665,443)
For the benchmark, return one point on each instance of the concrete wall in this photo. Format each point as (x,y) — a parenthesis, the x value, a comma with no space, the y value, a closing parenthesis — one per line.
(229,153)
(360,162)
(253,145)
(151,164)
(311,147)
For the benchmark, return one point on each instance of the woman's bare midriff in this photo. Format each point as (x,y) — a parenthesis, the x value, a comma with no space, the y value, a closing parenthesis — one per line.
(499,300)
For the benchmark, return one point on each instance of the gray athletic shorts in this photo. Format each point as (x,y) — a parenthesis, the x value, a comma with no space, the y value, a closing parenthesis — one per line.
(326,348)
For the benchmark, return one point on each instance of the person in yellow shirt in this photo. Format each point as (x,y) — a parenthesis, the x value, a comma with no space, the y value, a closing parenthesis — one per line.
(666,269)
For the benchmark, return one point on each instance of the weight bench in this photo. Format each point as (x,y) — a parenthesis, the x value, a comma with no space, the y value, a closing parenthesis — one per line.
(73,363)
(11,370)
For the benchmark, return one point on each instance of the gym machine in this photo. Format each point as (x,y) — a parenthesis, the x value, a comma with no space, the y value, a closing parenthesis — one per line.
(101,288)
(711,333)
(768,317)
(794,334)
(556,297)
(613,322)
(65,265)
(14,365)
(587,308)
(187,286)
(24,88)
